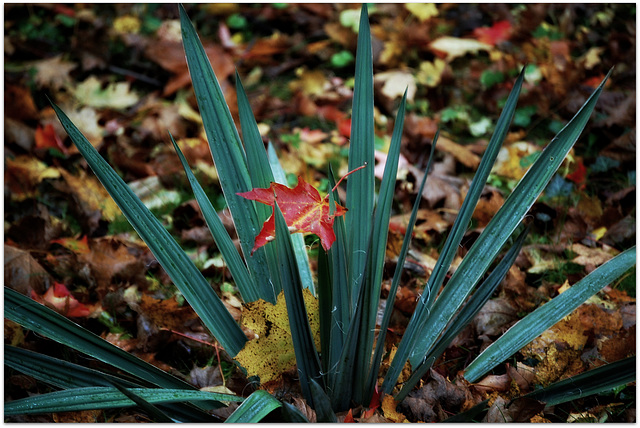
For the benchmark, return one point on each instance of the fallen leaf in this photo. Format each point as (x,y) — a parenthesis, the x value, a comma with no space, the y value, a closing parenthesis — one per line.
(519,410)
(590,256)
(396,82)
(430,73)
(46,137)
(454,47)
(13,333)
(423,11)
(111,258)
(579,175)
(165,313)
(302,208)
(53,72)
(88,120)
(494,318)
(117,95)
(167,51)
(498,32)
(20,103)
(78,246)
(432,402)
(508,163)
(349,418)
(82,417)
(373,405)
(460,152)
(58,298)
(311,83)
(540,263)
(389,410)
(24,173)
(127,24)
(22,272)
(492,383)
(272,353)
(91,194)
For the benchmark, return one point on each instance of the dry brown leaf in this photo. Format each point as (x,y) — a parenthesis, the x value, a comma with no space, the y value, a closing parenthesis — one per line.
(493,383)
(83,417)
(590,256)
(20,101)
(460,152)
(110,258)
(494,318)
(165,313)
(22,272)
(519,410)
(53,72)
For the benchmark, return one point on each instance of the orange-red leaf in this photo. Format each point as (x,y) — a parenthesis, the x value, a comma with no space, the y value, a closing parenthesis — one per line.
(60,299)
(47,138)
(349,418)
(78,246)
(498,32)
(302,208)
(579,175)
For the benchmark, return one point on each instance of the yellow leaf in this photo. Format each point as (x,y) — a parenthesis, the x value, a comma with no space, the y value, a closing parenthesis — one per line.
(220,389)
(598,233)
(592,57)
(35,169)
(389,410)
(127,24)
(430,73)
(309,82)
(508,161)
(423,11)
(91,193)
(272,353)
(455,47)
(539,262)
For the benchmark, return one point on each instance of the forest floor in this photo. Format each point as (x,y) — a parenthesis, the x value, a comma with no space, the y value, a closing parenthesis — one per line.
(119,71)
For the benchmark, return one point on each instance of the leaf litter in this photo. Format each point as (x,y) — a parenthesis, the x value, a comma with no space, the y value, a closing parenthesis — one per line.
(52,201)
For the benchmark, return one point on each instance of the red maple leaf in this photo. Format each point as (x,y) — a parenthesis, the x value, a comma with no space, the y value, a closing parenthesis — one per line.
(579,175)
(349,418)
(48,138)
(60,299)
(302,208)
(498,32)
(375,403)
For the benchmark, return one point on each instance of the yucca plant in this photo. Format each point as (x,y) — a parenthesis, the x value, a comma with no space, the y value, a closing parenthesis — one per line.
(345,370)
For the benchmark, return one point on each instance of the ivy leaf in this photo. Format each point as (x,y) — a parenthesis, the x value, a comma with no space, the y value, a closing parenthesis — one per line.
(303,210)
